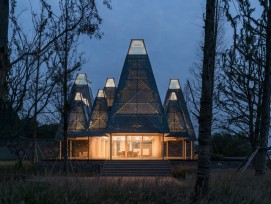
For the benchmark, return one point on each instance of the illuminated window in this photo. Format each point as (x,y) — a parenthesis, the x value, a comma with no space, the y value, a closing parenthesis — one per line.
(137,48)
(100,93)
(173,96)
(78,96)
(174,84)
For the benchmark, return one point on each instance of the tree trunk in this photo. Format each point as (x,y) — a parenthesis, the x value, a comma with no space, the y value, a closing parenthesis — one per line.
(260,160)
(206,102)
(4,18)
(65,95)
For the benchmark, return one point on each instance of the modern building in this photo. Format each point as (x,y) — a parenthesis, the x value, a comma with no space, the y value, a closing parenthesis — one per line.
(129,121)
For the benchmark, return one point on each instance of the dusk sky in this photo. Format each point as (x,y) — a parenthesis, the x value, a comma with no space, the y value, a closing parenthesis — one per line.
(171,32)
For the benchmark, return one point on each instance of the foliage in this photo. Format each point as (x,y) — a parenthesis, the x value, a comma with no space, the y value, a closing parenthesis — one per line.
(228,145)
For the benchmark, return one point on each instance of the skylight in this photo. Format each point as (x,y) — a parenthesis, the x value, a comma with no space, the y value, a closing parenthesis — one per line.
(100,93)
(110,83)
(174,84)
(81,79)
(137,48)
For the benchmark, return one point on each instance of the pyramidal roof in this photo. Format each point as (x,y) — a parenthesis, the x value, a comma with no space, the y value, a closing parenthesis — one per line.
(80,100)
(99,115)
(137,106)
(110,91)
(177,115)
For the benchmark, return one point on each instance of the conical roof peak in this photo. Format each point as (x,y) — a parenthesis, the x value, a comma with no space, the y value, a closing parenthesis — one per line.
(137,104)
(99,115)
(177,114)
(80,101)
(137,47)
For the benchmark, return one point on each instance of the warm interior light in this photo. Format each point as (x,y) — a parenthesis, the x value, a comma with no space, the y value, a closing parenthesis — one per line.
(79,97)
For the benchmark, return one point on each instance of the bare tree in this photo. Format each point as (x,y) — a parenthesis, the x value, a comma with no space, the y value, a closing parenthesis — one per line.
(193,86)
(68,60)
(240,86)
(19,66)
(206,101)
(260,26)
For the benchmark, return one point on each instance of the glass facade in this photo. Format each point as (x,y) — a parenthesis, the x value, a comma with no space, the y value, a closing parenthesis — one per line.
(130,148)
(136,147)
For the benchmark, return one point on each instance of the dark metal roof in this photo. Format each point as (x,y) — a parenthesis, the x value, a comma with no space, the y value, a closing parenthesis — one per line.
(137,107)
(177,114)
(99,115)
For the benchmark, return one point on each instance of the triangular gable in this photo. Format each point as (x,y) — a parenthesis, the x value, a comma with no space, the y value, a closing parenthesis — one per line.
(137,106)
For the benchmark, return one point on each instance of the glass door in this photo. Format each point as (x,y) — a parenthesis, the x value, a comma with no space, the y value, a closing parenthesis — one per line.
(134,147)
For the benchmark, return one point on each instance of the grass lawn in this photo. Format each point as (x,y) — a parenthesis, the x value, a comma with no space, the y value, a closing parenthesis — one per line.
(224,188)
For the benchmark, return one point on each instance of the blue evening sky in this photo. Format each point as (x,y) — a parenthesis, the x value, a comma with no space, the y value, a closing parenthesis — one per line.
(171,31)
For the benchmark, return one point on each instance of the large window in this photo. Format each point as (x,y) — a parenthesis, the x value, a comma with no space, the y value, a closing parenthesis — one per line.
(136,147)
